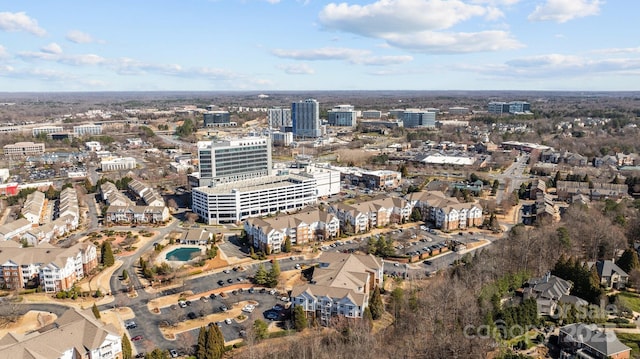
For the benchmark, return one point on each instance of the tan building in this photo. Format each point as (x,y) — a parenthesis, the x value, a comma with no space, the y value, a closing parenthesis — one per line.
(23,149)
(447,213)
(378,212)
(75,334)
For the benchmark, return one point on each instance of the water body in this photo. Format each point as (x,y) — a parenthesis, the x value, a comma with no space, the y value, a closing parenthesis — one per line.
(183,254)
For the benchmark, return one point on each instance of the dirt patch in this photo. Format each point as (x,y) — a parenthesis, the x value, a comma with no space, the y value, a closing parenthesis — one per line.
(290,279)
(31,321)
(116,317)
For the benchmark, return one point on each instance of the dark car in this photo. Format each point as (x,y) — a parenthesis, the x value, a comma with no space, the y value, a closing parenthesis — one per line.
(213,295)
(140,355)
(224,308)
(251,290)
(271,315)
(192,315)
(229,280)
(235,292)
(220,282)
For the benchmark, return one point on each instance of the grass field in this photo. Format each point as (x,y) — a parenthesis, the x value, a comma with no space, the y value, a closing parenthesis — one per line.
(631,340)
(630,300)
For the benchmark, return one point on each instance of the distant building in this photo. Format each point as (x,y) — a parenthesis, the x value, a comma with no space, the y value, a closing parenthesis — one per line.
(279,118)
(305,119)
(587,341)
(514,107)
(118,164)
(372,114)
(415,118)
(46,130)
(342,115)
(87,130)
(458,110)
(23,149)
(216,118)
(93,146)
(281,138)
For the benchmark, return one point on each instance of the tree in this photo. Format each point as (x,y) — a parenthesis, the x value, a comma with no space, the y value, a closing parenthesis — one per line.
(495,186)
(274,274)
(107,254)
(376,306)
(96,312)
(416,215)
(157,353)
(125,274)
(628,261)
(201,347)
(260,277)
(287,245)
(260,329)
(126,348)
(300,318)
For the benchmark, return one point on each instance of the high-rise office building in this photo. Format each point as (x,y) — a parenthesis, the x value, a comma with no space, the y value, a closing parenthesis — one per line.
(279,118)
(415,118)
(513,107)
(233,160)
(305,118)
(342,115)
(216,118)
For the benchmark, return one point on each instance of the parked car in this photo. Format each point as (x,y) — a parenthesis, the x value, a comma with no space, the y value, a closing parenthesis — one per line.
(182,304)
(228,321)
(220,282)
(224,308)
(174,353)
(192,315)
(136,338)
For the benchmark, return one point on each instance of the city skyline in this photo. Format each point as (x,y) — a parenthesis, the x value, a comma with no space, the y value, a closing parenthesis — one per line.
(279,45)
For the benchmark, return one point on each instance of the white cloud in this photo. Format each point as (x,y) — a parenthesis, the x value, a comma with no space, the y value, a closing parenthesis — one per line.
(80,37)
(326,53)
(71,59)
(353,56)
(20,21)
(52,48)
(398,16)
(618,50)
(564,10)
(297,69)
(450,43)
(3,52)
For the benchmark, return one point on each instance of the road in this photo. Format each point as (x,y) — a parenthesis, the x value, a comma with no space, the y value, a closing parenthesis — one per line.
(512,177)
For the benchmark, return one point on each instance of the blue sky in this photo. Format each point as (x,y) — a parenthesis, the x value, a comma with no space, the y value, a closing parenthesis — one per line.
(262,45)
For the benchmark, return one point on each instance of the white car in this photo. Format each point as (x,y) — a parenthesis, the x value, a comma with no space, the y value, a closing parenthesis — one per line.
(297,266)
(174,353)
(249,308)
(228,321)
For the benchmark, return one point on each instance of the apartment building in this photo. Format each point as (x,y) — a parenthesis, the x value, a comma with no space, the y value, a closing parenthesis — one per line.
(378,212)
(23,149)
(305,119)
(52,268)
(236,201)
(136,214)
(307,225)
(340,286)
(112,196)
(75,334)
(447,213)
(14,229)
(150,196)
(279,118)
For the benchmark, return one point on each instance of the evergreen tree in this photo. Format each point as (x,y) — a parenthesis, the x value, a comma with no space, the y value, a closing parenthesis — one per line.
(628,261)
(416,215)
(201,347)
(107,254)
(158,353)
(127,352)
(125,274)
(212,347)
(376,306)
(260,277)
(274,274)
(300,318)
(260,329)
(287,245)
(96,312)
(495,186)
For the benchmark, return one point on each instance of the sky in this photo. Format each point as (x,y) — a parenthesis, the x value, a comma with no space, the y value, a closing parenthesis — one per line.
(305,45)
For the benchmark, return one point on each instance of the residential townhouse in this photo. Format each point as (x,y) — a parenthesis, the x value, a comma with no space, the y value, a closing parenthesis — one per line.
(136,214)
(150,196)
(447,213)
(75,334)
(112,196)
(15,229)
(307,225)
(611,276)
(378,212)
(33,207)
(340,287)
(594,190)
(196,236)
(51,268)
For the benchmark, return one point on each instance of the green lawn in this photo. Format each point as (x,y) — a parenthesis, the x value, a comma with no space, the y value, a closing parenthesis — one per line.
(630,340)
(630,300)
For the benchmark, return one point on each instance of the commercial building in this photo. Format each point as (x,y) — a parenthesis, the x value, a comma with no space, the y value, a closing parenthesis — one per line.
(236,201)
(216,118)
(281,138)
(342,115)
(416,118)
(46,130)
(305,119)
(93,146)
(52,268)
(458,110)
(23,149)
(87,130)
(514,107)
(340,287)
(118,164)
(233,160)
(279,118)
(372,114)
(75,334)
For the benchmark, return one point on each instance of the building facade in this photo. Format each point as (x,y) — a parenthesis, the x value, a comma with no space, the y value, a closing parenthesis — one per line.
(118,164)
(23,149)
(233,160)
(46,130)
(342,115)
(236,201)
(279,118)
(216,118)
(415,118)
(87,130)
(305,119)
